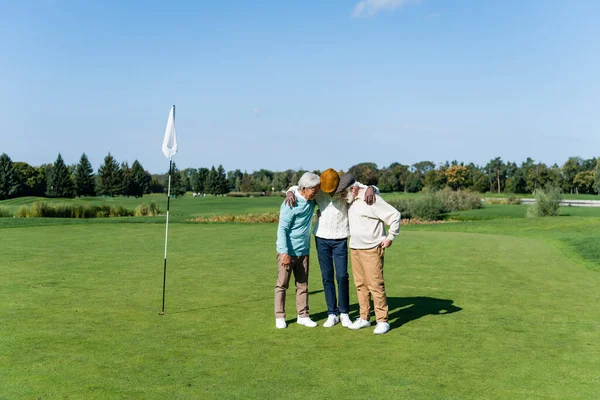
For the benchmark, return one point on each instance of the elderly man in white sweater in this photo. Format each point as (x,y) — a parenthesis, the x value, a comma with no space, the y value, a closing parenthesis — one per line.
(331,237)
(368,241)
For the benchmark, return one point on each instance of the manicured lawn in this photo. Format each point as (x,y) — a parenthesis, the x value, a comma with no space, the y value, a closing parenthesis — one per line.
(492,309)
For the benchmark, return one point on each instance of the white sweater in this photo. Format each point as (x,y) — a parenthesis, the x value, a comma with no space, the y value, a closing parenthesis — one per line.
(333,223)
(367,223)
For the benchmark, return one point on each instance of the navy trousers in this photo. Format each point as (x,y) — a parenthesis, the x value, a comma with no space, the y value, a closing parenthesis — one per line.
(333,256)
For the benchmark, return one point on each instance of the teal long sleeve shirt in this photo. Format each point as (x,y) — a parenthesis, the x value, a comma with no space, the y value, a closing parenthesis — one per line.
(293,232)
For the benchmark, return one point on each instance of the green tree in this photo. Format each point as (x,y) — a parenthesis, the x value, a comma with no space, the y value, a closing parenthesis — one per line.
(140,180)
(31,180)
(178,187)
(496,170)
(413,183)
(156,185)
(199,180)
(127,180)
(479,180)
(584,182)
(232,178)
(537,177)
(423,167)
(110,177)
(221,183)
(9,185)
(365,173)
(85,181)
(388,181)
(457,176)
(211,181)
(282,180)
(246,184)
(569,169)
(597,177)
(435,179)
(60,182)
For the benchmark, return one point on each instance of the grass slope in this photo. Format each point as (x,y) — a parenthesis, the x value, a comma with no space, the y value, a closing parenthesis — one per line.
(474,315)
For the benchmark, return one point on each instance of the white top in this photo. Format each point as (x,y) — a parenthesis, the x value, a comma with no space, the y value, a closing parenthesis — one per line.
(333,223)
(367,223)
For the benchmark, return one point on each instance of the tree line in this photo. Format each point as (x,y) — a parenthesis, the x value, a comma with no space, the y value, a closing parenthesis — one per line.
(112,178)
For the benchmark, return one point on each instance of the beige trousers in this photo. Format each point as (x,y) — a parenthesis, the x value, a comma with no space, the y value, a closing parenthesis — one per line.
(299,267)
(367,268)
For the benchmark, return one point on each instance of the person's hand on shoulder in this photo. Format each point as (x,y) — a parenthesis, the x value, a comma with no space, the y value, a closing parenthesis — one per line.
(290,199)
(370,195)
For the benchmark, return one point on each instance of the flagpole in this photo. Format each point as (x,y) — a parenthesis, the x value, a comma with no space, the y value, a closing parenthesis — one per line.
(169,148)
(166,237)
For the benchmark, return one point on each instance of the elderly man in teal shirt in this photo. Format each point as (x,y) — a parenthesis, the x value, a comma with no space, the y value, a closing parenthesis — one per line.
(293,248)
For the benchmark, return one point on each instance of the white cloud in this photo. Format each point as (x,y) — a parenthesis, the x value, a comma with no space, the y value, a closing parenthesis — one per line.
(372,7)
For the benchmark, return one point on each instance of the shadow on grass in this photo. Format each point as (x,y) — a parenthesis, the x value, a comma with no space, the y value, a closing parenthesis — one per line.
(403,310)
(236,302)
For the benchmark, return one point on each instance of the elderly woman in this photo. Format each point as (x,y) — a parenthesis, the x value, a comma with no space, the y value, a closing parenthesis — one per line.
(293,248)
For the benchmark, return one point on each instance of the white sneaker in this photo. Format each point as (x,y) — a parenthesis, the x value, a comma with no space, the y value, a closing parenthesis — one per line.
(331,321)
(381,328)
(280,323)
(306,321)
(345,318)
(359,324)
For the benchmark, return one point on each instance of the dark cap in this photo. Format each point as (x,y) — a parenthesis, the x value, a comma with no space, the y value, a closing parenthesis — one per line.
(345,181)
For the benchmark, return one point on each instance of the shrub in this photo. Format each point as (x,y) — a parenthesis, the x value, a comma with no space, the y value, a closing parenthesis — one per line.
(547,202)
(146,209)
(44,210)
(5,212)
(431,205)
(509,200)
(458,200)
(120,211)
(154,208)
(427,207)
(404,206)
(269,217)
(22,212)
(513,200)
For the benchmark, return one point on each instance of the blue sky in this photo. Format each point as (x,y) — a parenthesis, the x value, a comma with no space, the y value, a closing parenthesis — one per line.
(300,84)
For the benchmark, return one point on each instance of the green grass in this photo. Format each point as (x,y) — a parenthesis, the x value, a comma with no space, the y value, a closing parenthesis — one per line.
(487,309)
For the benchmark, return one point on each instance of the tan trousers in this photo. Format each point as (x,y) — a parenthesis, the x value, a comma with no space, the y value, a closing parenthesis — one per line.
(299,267)
(367,268)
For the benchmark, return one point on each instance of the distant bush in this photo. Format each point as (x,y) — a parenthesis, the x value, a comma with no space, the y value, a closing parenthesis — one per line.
(41,209)
(269,217)
(405,207)
(146,209)
(453,200)
(547,202)
(432,205)
(509,200)
(428,207)
(513,200)
(22,212)
(5,213)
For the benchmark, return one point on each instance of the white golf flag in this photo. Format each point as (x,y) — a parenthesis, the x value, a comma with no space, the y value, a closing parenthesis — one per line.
(169,147)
